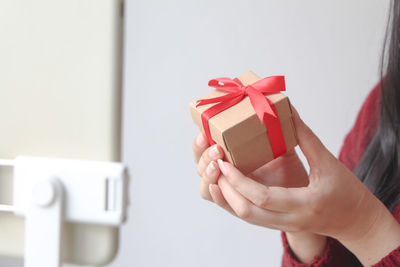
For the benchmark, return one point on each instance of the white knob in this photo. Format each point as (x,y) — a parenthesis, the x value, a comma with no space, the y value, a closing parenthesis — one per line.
(43,193)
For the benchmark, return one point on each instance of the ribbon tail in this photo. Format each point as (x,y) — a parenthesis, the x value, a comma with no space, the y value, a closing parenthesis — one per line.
(262,105)
(273,84)
(223,98)
(274,131)
(275,135)
(267,113)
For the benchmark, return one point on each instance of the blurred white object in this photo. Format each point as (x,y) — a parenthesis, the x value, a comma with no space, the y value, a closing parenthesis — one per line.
(49,191)
(60,96)
(95,191)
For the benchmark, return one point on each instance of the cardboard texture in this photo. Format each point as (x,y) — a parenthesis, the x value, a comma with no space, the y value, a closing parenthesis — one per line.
(239,131)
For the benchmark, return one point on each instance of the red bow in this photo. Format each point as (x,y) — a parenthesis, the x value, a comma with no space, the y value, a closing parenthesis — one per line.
(263,107)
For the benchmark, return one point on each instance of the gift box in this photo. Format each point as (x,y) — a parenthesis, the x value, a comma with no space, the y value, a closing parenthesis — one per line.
(248,117)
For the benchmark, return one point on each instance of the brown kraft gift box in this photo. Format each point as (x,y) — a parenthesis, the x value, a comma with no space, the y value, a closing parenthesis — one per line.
(239,132)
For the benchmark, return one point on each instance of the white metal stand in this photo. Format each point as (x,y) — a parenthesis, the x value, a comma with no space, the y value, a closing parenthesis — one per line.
(50,191)
(43,224)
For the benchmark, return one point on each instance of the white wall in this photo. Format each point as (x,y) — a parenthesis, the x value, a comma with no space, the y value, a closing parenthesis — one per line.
(329,52)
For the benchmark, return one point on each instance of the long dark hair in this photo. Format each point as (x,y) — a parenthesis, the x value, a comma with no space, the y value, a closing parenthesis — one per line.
(379,168)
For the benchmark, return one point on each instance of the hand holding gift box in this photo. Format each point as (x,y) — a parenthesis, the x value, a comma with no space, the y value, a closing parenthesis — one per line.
(248,117)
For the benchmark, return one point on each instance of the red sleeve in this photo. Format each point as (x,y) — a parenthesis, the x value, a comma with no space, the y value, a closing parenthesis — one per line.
(392,259)
(335,254)
(353,147)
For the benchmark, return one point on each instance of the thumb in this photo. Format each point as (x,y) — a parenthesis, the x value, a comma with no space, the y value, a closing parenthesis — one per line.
(309,143)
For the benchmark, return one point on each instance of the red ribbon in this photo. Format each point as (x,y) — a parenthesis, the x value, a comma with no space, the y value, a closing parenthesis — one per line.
(263,107)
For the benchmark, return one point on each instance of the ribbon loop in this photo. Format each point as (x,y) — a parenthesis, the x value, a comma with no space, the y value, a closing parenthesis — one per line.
(225,84)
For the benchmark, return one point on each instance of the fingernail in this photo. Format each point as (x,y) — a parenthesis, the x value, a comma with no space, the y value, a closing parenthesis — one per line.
(213,152)
(211,168)
(222,167)
(200,141)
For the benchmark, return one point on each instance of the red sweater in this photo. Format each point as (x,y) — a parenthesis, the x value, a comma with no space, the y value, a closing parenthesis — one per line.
(352,150)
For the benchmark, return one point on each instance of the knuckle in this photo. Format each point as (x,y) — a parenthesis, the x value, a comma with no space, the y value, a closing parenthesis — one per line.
(307,131)
(196,152)
(201,166)
(309,134)
(199,171)
(243,212)
(315,176)
(194,146)
(204,195)
(263,201)
(205,178)
(233,179)
(205,155)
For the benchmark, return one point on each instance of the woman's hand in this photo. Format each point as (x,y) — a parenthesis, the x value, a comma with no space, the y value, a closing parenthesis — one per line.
(285,171)
(335,203)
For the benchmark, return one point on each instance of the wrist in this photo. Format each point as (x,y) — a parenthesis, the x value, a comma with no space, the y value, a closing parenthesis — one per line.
(306,246)
(381,237)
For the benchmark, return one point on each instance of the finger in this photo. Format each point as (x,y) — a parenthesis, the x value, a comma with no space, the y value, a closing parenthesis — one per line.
(212,153)
(210,175)
(309,143)
(199,145)
(204,192)
(278,199)
(247,211)
(218,198)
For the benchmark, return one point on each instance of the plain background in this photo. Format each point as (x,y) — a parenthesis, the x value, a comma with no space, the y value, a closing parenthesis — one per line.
(329,52)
